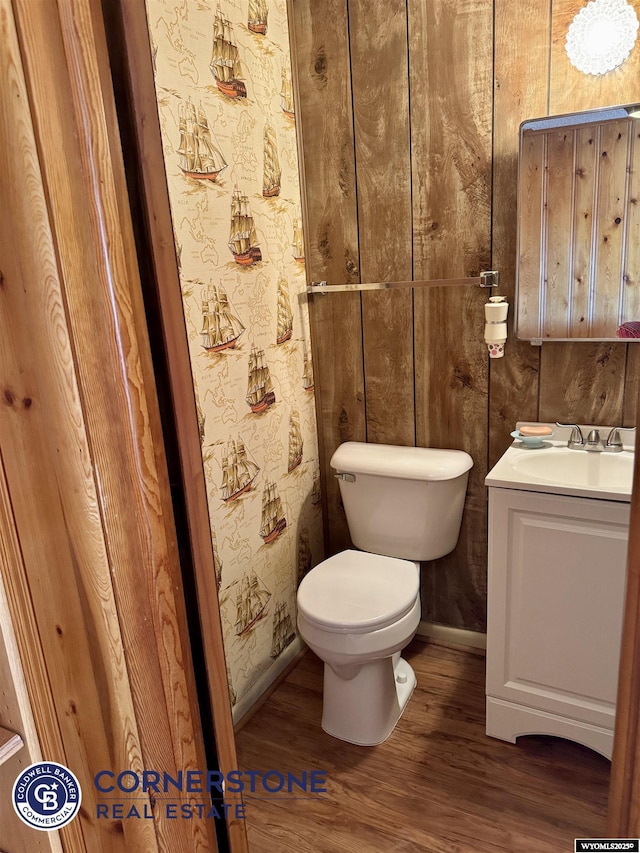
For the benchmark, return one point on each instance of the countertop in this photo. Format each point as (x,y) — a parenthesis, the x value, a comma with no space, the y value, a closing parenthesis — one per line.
(506,475)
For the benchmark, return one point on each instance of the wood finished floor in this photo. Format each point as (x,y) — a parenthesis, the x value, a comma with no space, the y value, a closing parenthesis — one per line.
(438,785)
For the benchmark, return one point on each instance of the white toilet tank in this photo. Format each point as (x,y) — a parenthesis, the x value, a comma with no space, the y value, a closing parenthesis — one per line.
(402,502)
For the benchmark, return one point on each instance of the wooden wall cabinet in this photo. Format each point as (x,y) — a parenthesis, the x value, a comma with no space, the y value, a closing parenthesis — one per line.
(578,273)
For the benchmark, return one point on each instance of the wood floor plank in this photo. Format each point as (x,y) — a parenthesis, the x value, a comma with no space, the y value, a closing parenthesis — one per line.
(438,785)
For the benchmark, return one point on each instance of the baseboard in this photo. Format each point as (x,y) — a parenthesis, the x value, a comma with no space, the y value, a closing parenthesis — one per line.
(264,687)
(454,637)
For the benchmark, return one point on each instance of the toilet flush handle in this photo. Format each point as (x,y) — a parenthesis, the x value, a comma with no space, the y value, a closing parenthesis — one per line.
(348,478)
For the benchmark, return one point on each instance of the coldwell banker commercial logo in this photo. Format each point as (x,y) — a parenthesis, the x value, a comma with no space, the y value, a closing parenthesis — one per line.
(46,796)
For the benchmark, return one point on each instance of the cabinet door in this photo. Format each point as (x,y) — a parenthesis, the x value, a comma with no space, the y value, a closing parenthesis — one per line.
(556,592)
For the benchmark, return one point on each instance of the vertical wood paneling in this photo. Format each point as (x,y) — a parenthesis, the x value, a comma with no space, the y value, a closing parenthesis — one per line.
(596,394)
(631,305)
(520,93)
(570,90)
(451,167)
(586,161)
(379,75)
(572,267)
(120,415)
(612,200)
(452,56)
(559,218)
(44,442)
(80,433)
(326,136)
(532,185)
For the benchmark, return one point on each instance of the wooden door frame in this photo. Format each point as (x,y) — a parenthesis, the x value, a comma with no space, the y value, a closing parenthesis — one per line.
(623,820)
(87,540)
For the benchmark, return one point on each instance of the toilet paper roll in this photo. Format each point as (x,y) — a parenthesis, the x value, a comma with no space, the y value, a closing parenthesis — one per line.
(495,333)
(496,312)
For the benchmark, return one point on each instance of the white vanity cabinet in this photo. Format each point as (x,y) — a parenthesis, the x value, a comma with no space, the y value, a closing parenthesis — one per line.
(557,567)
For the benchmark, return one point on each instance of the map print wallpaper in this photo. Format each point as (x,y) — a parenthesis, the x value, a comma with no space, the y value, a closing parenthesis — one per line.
(225,103)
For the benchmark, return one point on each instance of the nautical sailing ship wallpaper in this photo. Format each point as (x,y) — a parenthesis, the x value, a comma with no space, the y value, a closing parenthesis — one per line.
(221,328)
(226,108)
(200,155)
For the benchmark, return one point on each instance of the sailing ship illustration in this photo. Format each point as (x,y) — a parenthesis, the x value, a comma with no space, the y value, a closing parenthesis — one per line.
(260,393)
(225,61)
(285,314)
(221,327)
(238,471)
(243,240)
(286,92)
(200,155)
(283,631)
(295,441)
(307,372)
(258,14)
(272,173)
(251,600)
(297,244)
(304,555)
(316,494)
(273,519)
(216,560)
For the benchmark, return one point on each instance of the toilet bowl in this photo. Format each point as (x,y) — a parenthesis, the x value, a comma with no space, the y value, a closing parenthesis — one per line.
(358,609)
(357,623)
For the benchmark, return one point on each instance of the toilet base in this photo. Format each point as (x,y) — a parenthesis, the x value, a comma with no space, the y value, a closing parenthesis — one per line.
(365,709)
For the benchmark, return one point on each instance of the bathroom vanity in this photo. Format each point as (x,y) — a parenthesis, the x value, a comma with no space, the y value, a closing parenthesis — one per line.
(558,531)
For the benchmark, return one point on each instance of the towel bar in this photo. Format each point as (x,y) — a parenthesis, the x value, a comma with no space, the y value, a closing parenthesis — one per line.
(488,278)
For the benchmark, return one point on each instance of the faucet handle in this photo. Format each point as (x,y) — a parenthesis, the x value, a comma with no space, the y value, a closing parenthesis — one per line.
(613,439)
(576,437)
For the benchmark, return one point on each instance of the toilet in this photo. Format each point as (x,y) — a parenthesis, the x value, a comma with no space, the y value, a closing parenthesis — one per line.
(358,609)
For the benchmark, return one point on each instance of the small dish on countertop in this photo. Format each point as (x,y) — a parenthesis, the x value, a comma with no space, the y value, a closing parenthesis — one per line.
(531,441)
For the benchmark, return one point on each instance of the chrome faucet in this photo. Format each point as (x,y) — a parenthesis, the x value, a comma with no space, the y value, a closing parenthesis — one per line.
(594,443)
(614,442)
(576,439)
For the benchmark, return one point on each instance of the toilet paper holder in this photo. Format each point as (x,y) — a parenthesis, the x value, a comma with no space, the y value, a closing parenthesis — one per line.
(495,325)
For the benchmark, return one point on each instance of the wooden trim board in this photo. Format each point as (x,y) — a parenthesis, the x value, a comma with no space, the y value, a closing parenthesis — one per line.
(10,743)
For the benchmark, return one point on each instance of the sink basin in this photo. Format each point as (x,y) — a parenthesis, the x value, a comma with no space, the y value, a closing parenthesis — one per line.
(578,468)
(555,469)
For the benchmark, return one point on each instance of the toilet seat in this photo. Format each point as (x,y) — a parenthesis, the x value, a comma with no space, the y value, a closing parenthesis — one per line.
(356,592)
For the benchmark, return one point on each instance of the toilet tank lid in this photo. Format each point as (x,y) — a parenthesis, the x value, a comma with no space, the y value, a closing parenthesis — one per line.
(406,463)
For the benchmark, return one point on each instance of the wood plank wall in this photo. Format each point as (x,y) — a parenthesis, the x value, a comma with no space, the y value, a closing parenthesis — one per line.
(90,559)
(578,261)
(409,128)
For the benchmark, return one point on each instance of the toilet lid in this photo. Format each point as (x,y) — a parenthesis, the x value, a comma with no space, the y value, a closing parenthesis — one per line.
(354,592)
